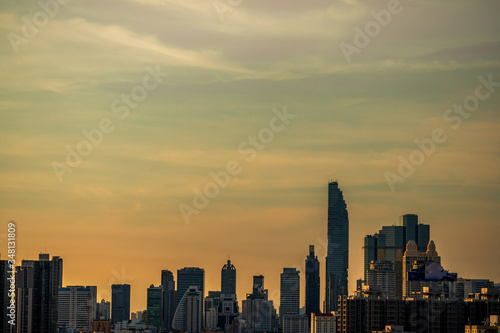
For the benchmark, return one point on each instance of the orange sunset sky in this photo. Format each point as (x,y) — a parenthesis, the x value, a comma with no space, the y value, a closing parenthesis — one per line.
(113,213)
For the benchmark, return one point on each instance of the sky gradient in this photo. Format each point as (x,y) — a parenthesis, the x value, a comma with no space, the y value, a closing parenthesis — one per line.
(115,217)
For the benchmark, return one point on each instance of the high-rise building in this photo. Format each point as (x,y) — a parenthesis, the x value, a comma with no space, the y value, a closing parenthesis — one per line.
(289,292)
(169,301)
(154,296)
(187,277)
(337,260)
(410,222)
(312,283)
(257,310)
(413,259)
(76,308)
(228,279)
(369,253)
(382,274)
(423,237)
(227,311)
(188,316)
(103,310)
(5,290)
(38,282)
(120,303)
(389,244)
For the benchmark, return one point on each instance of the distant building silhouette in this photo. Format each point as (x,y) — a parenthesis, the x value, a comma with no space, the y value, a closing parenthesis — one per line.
(189,314)
(337,260)
(154,302)
(76,308)
(120,303)
(389,244)
(312,283)
(169,301)
(38,282)
(4,298)
(289,292)
(103,310)
(257,310)
(228,279)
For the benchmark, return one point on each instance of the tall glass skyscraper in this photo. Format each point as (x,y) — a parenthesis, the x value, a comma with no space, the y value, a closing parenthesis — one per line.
(38,282)
(187,277)
(154,296)
(289,292)
(337,260)
(228,279)
(120,303)
(169,301)
(312,283)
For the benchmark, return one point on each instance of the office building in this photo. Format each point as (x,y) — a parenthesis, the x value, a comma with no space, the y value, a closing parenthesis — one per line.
(370,250)
(323,323)
(103,311)
(382,274)
(228,279)
(76,308)
(38,282)
(227,311)
(337,260)
(413,260)
(154,297)
(169,301)
(389,244)
(187,277)
(257,310)
(189,314)
(120,303)
(5,286)
(289,292)
(312,283)
(465,288)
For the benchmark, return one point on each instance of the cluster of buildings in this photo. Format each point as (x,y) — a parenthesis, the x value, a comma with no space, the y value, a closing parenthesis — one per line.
(404,289)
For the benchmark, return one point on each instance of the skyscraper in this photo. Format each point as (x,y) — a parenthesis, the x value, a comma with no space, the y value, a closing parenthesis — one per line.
(154,295)
(169,301)
(5,286)
(337,260)
(120,303)
(38,282)
(390,242)
(188,316)
(76,308)
(312,283)
(190,276)
(369,253)
(289,292)
(257,310)
(423,237)
(228,279)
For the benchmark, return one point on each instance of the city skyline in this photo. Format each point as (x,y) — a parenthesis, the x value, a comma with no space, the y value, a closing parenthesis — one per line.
(145,135)
(272,292)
